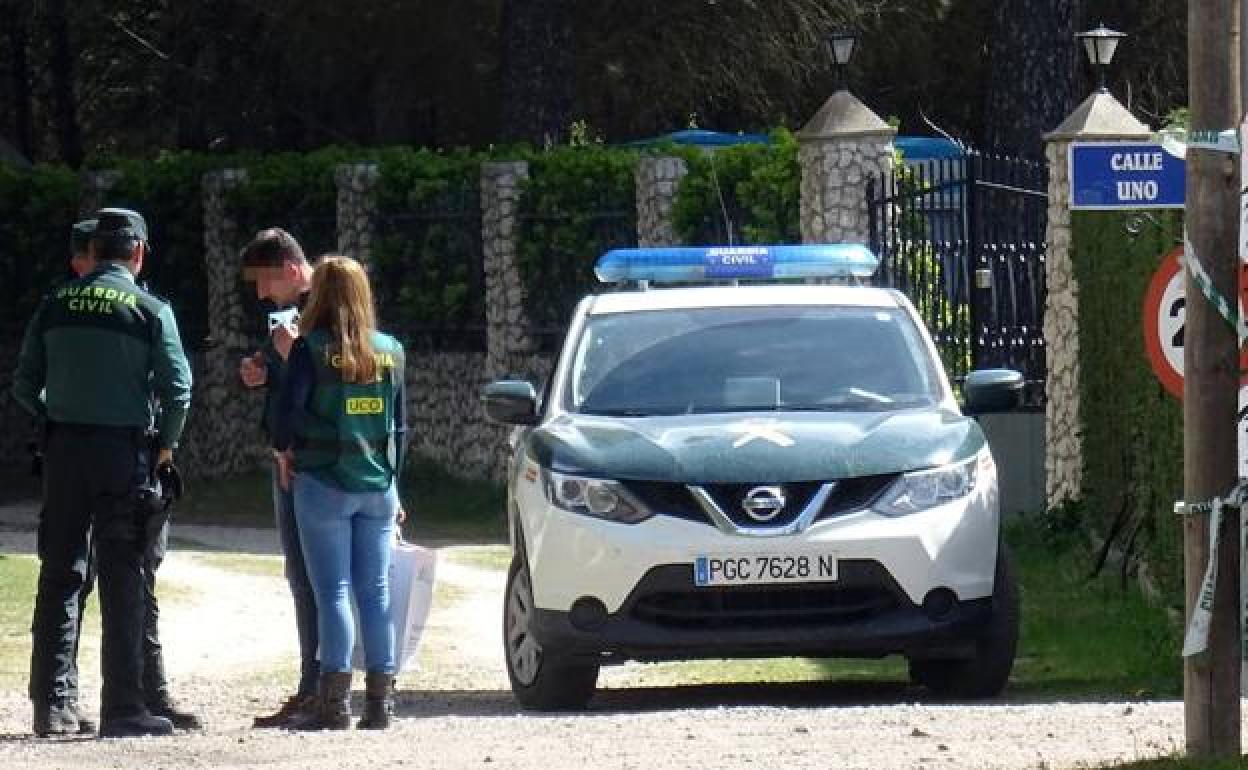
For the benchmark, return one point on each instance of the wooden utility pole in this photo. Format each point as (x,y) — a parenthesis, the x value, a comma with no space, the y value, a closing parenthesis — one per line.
(1211,685)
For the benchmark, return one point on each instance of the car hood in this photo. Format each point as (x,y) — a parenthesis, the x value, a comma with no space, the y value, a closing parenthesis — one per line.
(749,447)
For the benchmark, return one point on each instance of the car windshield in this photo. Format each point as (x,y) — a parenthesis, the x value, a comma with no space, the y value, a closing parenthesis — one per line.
(707,360)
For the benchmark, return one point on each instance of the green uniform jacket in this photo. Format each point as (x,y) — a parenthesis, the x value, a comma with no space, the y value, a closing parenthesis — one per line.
(97,349)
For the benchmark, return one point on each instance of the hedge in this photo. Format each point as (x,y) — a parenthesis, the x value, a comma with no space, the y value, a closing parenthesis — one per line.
(39,206)
(1132,428)
(742,194)
(577,203)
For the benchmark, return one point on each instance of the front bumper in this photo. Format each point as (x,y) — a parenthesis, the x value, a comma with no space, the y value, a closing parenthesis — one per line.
(862,614)
(570,556)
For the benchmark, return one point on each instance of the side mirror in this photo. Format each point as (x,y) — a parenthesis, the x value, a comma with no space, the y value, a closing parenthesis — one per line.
(511,402)
(992,390)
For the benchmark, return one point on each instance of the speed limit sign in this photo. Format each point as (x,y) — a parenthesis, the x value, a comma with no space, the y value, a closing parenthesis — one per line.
(1164,315)
(1165,311)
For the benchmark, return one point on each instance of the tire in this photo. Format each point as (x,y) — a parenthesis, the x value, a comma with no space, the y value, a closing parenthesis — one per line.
(986,673)
(539,680)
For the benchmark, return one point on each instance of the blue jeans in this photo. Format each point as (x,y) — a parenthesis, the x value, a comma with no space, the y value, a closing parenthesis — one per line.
(300,587)
(346,542)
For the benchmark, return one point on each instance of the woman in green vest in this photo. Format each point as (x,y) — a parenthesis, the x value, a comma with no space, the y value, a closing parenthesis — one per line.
(340,430)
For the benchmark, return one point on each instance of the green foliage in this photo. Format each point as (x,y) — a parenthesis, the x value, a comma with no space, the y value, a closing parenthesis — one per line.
(39,206)
(919,272)
(754,187)
(427,257)
(1086,635)
(577,203)
(1132,428)
(294,191)
(167,191)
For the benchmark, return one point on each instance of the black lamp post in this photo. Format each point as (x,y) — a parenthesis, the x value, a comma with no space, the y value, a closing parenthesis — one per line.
(1100,44)
(842,44)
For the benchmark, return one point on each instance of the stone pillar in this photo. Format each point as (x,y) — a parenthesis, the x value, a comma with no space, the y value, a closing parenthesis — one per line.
(839,147)
(357,209)
(658,179)
(224,423)
(95,190)
(509,340)
(1099,118)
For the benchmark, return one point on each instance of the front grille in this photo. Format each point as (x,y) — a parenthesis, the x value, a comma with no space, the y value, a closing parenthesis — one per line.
(729,497)
(668,498)
(855,494)
(763,607)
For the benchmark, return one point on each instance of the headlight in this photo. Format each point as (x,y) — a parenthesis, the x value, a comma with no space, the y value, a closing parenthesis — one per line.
(594,497)
(921,490)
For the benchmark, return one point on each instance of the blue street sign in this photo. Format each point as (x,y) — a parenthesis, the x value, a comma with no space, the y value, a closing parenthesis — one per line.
(1125,175)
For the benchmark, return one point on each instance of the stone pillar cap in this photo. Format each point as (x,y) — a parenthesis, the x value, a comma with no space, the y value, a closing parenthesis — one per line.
(842,116)
(1101,116)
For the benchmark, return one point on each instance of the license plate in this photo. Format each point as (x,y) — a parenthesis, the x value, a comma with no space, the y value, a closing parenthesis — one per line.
(753,570)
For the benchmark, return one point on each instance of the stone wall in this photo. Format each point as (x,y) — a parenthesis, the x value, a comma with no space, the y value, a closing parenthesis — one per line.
(223,434)
(357,209)
(658,179)
(1063,464)
(834,177)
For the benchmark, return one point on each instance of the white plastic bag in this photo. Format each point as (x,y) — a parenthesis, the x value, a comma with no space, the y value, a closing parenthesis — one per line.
(412,574)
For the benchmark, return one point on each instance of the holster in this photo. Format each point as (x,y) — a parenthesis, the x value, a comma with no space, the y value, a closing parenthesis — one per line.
(154,505)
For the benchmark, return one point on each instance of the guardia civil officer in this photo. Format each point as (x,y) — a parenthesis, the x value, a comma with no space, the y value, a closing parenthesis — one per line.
(156,693)
(94,354)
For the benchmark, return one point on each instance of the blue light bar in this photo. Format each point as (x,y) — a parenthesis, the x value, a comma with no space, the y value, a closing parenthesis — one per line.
(708,263)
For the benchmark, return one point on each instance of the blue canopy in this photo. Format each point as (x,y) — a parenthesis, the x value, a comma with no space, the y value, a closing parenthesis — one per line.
(926,147)
(698,137)
(912,147)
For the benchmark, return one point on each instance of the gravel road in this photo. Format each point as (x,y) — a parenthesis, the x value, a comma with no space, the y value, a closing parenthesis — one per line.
(230,649)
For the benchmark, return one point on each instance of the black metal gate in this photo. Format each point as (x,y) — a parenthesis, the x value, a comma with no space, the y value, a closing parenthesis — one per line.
(964,239)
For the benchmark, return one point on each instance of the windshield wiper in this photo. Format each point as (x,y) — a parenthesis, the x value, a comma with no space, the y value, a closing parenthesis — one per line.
(625,412)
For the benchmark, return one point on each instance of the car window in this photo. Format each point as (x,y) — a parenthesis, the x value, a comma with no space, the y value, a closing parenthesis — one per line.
(750,359)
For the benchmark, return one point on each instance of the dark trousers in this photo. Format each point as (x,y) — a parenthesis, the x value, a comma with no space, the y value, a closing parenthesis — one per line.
(90,480)
(300,587)
(155,683)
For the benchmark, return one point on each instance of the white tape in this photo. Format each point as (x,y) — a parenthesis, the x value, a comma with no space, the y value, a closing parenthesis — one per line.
(1177,143)
(1197,639)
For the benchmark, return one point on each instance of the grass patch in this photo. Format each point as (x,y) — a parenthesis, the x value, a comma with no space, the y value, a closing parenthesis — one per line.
(443,508)
(17,594)
(440,507)
(260,565)
(496,558)
(1086,635)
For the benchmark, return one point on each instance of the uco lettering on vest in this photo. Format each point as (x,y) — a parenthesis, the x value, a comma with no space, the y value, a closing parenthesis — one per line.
(365,406)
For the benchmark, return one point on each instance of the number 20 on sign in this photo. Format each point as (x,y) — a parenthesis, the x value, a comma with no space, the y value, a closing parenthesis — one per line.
(1165,311)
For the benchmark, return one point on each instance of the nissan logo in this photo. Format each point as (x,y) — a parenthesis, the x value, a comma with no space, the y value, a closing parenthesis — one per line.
(763,503)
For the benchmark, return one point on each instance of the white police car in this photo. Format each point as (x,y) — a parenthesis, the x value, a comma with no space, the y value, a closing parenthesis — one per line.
(748,471)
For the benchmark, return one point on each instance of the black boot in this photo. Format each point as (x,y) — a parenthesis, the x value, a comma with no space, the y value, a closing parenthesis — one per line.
(162,705)
(378,701)
(135,726)
(333,708)
(55,717)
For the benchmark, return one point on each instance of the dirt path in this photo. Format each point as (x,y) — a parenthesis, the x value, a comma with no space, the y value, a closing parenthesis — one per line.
(231,650)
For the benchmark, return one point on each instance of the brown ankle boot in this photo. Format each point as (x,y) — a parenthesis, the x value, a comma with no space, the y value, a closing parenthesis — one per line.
(378,701)
(333,704)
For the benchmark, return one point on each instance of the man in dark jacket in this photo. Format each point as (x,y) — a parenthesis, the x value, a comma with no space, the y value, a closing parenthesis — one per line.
(275,263)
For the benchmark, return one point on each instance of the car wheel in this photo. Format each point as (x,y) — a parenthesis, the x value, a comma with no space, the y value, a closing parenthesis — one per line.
(985,674)
(538,678)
